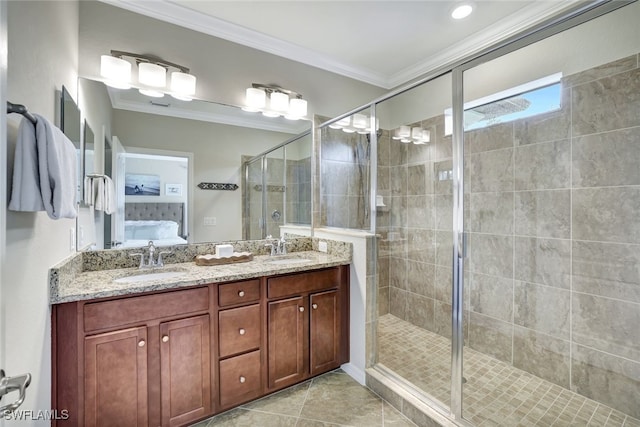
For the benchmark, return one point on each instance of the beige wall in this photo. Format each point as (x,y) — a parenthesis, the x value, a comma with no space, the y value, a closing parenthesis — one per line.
(40,60)
(217,153)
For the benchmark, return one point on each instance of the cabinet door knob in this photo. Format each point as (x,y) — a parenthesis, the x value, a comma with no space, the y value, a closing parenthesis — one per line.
(165,338)
(241,294)
(242,331)
(314,306)
(141,343)
(301,309)
(242,379)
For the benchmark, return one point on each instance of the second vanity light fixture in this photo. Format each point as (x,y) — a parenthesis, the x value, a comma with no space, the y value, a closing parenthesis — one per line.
(416,134)
(360,123)
(152,75)
(282,102)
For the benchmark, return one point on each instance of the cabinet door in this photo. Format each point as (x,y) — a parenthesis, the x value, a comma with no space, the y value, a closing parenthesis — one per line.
(115,378)
(287,343)
(185,365)
(324,346)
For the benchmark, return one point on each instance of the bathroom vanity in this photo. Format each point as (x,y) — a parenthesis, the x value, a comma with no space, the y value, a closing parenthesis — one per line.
(174,350)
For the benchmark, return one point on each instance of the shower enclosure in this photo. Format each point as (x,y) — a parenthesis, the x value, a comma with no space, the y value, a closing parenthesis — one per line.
(277,188)
(506,192)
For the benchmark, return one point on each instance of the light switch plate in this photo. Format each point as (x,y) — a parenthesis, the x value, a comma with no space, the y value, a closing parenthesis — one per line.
(322,247)
(210,221)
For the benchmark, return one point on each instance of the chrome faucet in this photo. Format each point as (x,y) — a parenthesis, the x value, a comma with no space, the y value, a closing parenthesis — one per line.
(278,247)
(151,262)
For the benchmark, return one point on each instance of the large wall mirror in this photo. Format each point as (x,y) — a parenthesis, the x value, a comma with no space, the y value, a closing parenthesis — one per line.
(159,150)
(70,126)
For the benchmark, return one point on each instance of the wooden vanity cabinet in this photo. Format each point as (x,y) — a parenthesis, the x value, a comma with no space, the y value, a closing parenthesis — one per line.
(308,325)
(172,358)
(115,372)
(240,342)
(134,361)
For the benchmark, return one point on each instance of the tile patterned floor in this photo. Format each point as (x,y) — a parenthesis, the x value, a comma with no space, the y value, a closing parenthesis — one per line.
(330,400)
(495,394)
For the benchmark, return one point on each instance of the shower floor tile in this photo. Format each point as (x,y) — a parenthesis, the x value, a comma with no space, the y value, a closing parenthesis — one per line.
(496,393)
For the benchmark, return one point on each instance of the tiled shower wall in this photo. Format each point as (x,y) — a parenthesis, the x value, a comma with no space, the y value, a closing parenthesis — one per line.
(299,191)
(344,168)
(552,203)
(298,196)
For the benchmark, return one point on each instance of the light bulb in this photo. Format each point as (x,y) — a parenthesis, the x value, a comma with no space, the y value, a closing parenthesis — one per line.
(152,74)
(183,85)
(255,99)
(279,102)
(297,108)
(462,11)
(116,71)
(359,121)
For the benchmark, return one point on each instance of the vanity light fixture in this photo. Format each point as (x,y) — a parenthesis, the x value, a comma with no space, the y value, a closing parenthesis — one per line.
(152,75)
(358,122)
(415,134)
(281,102)
(462,10)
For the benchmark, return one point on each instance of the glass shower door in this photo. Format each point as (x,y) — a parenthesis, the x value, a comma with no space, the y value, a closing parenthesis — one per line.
(414,225)
(552,192)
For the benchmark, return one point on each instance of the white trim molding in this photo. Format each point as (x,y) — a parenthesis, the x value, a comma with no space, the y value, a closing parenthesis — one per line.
(174,13)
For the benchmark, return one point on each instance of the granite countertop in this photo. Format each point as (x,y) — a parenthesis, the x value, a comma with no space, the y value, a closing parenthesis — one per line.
(102,283)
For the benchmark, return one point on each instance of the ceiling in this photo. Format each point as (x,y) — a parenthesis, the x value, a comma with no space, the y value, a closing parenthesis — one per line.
(384,43)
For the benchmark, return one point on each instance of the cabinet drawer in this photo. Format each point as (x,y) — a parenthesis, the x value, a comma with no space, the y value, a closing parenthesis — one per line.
(239,330)
(109,314)
(297,284)
(240,379)
(239,293)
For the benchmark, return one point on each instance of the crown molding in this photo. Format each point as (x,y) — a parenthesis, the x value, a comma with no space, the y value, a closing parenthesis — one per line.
(179,15)
(509,26)
(173,13)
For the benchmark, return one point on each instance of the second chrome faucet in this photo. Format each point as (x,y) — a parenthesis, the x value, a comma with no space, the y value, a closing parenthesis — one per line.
(151,262)
(278,247)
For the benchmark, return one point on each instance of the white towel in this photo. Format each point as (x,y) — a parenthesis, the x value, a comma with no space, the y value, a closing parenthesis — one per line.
(109,196)
(99,194)
(58,170)
(25,191)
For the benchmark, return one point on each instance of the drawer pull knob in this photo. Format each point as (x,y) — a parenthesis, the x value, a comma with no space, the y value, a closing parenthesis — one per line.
(314,306)
(165,338)
(141,343)
(241,294)
(242,331)
(301,309)
(242,379)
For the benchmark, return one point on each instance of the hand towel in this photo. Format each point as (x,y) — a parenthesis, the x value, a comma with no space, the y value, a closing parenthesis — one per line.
(57,161)
(88,190)
(25,191)
(99,194)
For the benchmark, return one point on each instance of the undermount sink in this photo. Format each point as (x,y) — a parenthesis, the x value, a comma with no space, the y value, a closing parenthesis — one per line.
(150,276)
(288,261)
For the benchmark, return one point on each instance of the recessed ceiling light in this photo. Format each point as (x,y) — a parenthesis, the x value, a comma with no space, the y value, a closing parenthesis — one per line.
(462,11)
